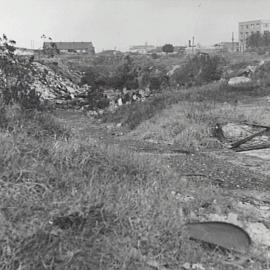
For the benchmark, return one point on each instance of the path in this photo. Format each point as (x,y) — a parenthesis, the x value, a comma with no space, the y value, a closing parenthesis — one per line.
(220,168)
(246,188)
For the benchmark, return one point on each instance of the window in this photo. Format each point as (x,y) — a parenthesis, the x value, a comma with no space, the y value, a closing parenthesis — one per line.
(266,25)
(247,26)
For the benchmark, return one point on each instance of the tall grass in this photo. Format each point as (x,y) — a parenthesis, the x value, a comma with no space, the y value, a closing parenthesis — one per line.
(216,93)
(44,177)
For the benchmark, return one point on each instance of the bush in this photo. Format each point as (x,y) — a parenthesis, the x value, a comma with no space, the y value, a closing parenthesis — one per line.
(199,69)
(130,73)
(17,76)
(132,115)
(97,99)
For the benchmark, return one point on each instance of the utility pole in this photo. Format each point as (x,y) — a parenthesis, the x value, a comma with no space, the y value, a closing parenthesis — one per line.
(233,41)
(193,39)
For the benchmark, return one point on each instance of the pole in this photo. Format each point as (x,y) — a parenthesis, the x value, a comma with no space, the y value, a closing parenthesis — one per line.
(193,39)
(233,41)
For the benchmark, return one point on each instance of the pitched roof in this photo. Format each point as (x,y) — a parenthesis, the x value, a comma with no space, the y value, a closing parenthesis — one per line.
(70,45)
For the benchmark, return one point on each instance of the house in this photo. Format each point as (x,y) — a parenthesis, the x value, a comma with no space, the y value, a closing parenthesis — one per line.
(249,27)
(70,47)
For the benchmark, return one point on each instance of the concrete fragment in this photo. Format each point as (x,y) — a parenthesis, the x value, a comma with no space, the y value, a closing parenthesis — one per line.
(238,80)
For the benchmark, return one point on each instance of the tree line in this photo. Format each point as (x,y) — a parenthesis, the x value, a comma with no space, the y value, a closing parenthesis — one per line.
(258,40)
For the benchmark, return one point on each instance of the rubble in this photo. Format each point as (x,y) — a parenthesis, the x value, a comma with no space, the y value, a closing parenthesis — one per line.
(245,136)
(247,72)
(63,92)
(234,81)
(52,86)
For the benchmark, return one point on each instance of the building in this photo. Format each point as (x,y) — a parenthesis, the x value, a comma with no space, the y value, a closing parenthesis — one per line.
(142,49)
(249,27)
(24,51)
(110,53)
(227,46)
(179,49)
(69,47)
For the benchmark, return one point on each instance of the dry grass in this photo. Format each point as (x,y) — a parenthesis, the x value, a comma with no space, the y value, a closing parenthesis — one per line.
(128,200)
(189,124)
(45,176)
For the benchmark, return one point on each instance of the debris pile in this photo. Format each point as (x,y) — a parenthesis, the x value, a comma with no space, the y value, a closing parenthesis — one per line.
(118,98)
(62,91)
(52,86)
(244,136)
(249,73)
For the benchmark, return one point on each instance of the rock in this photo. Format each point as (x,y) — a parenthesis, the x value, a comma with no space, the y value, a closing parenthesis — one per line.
(119,102)
(197,266)
(186,266)
(100,112)
(238,80)
(172,71)
(110,126)
(119,125)
(236,131)
(259,233)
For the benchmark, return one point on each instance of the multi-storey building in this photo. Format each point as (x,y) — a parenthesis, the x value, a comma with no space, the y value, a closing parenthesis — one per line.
(249,27)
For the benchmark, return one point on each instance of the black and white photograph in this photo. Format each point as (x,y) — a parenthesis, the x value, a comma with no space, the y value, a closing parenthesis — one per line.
(135,135)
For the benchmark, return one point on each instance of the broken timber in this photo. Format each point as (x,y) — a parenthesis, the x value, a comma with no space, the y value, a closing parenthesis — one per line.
(254,147)
(238,143)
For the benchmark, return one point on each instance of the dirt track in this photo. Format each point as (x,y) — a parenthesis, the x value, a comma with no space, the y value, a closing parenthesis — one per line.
(222,168)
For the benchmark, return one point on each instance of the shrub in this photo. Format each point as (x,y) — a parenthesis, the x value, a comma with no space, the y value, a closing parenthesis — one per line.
(199,69)
(132,115)
(17,76)
(130,73)
(97,99)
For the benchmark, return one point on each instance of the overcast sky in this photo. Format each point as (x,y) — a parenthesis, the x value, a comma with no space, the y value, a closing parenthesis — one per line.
(121,23)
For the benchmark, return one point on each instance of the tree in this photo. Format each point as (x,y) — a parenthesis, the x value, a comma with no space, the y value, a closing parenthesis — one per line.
(258,40)
(168,48)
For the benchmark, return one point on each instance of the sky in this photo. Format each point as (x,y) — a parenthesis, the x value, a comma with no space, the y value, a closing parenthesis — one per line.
(118,24)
